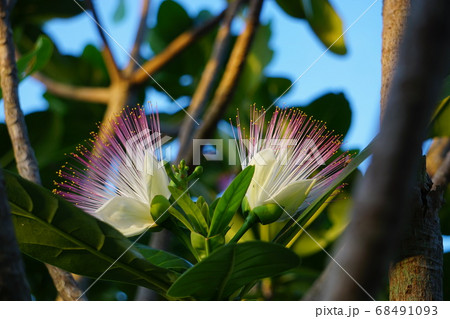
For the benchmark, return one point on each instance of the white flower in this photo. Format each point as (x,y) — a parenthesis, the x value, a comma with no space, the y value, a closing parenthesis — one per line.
(117,180)
(288,159)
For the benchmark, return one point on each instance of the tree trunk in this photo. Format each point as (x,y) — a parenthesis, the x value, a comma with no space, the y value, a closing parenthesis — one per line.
(395,13)
(416,272)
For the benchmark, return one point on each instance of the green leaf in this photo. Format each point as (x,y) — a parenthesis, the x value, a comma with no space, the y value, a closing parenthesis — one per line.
(119,14)
(55,232)
(230,201)
(31,12)
(332,108)
(231,267)
(441,119)
(326,24)
(163,259)
(191,210)
(292,7)
(326,228)
(204,208)
(35,59)
(292,228)
(172,19)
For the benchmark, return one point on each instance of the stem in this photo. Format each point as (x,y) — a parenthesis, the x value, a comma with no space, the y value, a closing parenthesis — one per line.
(248,223)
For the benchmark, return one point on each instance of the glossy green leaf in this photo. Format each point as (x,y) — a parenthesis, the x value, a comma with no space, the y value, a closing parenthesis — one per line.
(172,19)
(441,119)
(326,228)
(230,201)
(332,108)
(198,242)
(204,208)
(292,228)
(163,259)
(232,267)
(326,24)
(33,12)
(193,213)
(36,59)
(206,245)
(55,232)
(292,7)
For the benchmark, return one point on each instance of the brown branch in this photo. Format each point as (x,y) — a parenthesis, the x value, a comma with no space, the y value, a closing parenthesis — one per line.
(207,81)
(13,283)
(23,152)
(178,45)
(229,81)
(138,38)
(85,94)
(383,196)
(113,70)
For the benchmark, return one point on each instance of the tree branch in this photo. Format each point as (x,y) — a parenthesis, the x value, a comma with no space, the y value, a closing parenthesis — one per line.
(85,94)
(229,82)
(111,65)
(23,152)
(139,36)
(207,81)
(383,196)
(178,45)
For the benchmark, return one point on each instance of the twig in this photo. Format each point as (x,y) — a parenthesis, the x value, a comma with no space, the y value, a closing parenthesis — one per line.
(207,81)
(23,152)
(139,36)
(229,81)
(113,69)
(383,195)
(85,94)
(178,45)
(13,283)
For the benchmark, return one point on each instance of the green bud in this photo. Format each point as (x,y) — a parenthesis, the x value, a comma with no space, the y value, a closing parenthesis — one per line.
(268,213)
(159,209)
